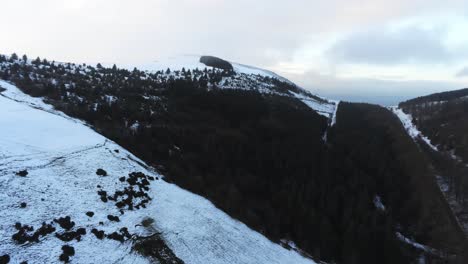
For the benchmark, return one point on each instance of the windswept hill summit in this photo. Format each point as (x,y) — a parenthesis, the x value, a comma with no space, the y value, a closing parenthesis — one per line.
(334,181)
(240,76)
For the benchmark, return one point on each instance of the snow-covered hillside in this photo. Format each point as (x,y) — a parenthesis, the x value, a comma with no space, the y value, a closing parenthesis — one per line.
(48,165)
(248,78)
(413,131)
(193,62)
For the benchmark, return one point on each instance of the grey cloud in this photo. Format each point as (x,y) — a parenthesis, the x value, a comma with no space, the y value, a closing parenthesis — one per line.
(260,32)
(390,47)
(462,73)
(371,90)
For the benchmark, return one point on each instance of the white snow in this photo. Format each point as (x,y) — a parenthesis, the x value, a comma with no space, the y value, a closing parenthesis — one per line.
(415,244)
(333,122)
(62,155)
(328,108)
(246,69)
(378,203)
(247,78)
(407,121)
(177,62)
(174,63)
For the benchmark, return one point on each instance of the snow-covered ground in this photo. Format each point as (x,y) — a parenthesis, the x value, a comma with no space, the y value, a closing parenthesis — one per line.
(62,155)
(246,69)
(416,245)
(411,129)
(174,63)
(247,78)
(378,203)
(327,108)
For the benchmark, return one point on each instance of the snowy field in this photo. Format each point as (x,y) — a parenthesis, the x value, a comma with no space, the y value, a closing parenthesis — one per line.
(61,156)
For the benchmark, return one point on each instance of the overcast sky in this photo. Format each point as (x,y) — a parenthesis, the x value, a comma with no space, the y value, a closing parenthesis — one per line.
(375,50)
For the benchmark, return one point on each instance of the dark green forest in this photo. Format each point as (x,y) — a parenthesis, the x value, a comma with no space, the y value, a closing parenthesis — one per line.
(443,118)
(262,157)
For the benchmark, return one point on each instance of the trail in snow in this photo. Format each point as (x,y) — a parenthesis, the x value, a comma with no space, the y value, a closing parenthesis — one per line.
(326,108)
(413,131)
(417,245)
(407,121)
(62,155)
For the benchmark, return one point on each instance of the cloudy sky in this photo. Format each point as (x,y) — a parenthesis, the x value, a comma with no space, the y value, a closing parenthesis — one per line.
(366,50)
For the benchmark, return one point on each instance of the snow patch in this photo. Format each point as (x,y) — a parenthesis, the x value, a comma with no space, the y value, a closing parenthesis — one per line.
(174,63)
(333,122)
(246,69)
(415,244)
(378,203)
(326,108)
(411,129)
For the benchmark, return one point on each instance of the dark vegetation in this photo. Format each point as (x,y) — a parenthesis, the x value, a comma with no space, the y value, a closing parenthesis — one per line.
(261,157)
(71,235)
(101,172)
(67,252)
(22,173)
(120,236)
(65,222)
(155,248)
(113,218)
(5,259)
(216,63)
(133,196)
(98,233)
(437,97)
(28,234)
(443,118)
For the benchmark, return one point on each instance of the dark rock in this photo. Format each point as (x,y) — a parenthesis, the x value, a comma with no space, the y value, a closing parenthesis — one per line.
(23,235)
(64,258)
(98,233)
(81,231)
(116,236)
(22,173)
(90,214)
(68,250)
(65,222)
(216,63)
(113,218)
(101,172)
(4,259)
(23,205)
(69,236)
